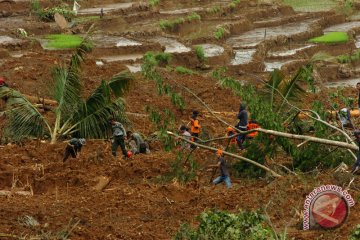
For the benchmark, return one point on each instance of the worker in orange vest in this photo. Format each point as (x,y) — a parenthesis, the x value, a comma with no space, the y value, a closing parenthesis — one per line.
(195,127)
(231,132)
(252,125)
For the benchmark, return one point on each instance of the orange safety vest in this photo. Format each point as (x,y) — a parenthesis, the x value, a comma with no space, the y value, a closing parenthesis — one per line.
(233,139)
(195,126)
(252,126)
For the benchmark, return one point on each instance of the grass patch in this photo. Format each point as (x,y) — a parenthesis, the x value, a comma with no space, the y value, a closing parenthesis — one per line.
(332,37)
(184,70)
(349,58)
(63,41)
(234,3)
(171,25)
(200,53)
(153,3)
(220,32)
(311,5)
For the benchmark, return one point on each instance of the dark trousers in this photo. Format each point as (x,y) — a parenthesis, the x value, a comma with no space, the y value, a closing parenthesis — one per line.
(69,150)
(195,139)
(357,163)
(242,137)
(118,141)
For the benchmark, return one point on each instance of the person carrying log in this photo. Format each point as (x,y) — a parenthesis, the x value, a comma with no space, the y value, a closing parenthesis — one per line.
(118,138)
(242,124)
(73,148)
(224,172)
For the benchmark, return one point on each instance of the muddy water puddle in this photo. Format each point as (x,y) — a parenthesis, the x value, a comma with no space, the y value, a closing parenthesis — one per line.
(172,45)
(113,41)
(135,68)
(243,56)
(289,52)
(271,66)
(106,8)
(5,40)
(343,83)
(212,50)
(181,11)
(254,37)
(343,27)
(122,58)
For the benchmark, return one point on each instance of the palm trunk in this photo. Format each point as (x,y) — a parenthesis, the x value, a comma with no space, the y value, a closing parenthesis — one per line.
(54,134)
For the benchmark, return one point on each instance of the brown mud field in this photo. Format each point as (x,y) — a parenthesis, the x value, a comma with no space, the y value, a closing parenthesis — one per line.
(138,203)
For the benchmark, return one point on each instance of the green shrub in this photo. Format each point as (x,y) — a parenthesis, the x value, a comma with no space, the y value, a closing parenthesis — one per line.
(63,41)
(36,6)
(215,9)
(163,58)
(349,58)
(219,34)
(184,70)
(171,25)
(233,4)
(153,3)
(200,53)
(193,16)
(355,234)
(332,37)
(249,225)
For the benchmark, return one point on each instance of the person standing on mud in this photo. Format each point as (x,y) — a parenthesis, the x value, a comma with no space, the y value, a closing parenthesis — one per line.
(118,137)
(224,172)
(242,124)
(73,148)
(195,127)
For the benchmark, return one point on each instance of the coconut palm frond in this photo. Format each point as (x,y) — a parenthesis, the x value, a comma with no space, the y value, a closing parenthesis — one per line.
(274,82)
(66,90)
(95,124)
(92,117)
(120,83)
(24,119)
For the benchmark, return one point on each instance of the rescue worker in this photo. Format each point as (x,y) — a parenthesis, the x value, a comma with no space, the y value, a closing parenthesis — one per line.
(252,125)
(230,132)
(73,148)
(195,127)
(357,163)
(118,137)
(137,143)
(242,124)
(224,172)
(345,119)
(185,134)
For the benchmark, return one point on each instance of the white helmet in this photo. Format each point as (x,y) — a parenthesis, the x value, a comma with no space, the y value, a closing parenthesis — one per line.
(82,141)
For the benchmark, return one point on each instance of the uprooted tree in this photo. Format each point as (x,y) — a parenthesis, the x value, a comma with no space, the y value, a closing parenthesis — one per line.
(74,116)
(274,107)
